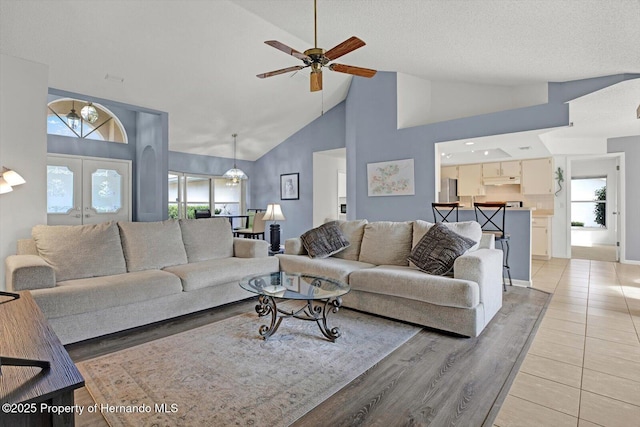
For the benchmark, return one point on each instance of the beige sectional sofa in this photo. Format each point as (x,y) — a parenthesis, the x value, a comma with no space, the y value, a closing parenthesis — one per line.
(384,283)
(94,280)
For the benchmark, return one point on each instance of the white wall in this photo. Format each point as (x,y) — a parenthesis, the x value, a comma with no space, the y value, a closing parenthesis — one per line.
(23,147)
(326,165)
(421,101)
(559,224)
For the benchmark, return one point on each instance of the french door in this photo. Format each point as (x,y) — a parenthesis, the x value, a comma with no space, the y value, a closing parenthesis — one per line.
(84,190)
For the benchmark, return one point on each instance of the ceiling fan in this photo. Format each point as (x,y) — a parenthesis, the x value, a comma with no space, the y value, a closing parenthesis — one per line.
(316,58)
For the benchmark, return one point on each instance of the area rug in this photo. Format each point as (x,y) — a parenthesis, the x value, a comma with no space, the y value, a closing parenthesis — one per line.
(224,373)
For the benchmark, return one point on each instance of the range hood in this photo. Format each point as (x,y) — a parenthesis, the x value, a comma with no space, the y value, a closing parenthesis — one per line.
(502,180)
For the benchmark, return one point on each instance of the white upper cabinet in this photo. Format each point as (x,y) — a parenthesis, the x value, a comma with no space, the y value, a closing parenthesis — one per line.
(470,180)
(498,169)
(449,172)
(537,176)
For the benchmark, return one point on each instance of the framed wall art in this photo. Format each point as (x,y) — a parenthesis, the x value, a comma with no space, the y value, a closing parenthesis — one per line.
(393,178)
(289,186)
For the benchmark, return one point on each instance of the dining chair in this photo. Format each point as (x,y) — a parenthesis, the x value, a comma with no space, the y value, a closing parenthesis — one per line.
(256,231)
(203,213)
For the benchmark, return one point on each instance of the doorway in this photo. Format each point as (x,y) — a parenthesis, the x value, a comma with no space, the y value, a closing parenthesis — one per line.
(87,190)
(595,208)
(329,185)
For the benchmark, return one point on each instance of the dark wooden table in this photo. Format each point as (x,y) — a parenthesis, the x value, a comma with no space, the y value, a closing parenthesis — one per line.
(232,217)
(31,396)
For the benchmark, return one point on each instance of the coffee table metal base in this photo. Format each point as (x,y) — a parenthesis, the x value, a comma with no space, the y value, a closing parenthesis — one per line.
(313,312)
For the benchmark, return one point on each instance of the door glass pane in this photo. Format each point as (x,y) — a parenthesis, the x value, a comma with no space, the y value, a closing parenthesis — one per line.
(174,194)
(59,189)
(106,191)
(197,195)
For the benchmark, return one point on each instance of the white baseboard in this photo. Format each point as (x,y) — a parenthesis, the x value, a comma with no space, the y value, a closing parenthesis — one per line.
(629,261)
(517,282)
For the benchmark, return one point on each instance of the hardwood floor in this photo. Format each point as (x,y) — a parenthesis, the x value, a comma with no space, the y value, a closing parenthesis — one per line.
(433,379)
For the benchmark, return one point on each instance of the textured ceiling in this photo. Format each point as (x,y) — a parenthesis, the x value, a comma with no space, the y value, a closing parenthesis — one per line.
(197,60)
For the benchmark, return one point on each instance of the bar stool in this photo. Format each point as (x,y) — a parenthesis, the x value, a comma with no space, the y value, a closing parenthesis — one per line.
(491,216)
(441,211)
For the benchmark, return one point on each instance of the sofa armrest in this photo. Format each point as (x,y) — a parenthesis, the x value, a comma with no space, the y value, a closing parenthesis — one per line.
(487,241)
(294,246)
(483,266)
(250,248)
(24,272)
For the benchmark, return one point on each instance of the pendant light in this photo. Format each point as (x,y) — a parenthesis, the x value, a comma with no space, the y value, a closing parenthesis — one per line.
(73,119)
(234,175)
(89,113)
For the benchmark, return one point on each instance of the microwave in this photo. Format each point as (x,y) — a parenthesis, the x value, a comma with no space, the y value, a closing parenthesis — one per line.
(343,208)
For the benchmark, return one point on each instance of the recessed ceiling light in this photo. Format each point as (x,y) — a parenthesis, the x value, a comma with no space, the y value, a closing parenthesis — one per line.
(486,153)
(443,154)
(469,143)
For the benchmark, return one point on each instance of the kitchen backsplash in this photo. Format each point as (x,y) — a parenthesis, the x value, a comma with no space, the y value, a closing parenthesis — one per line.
(509,193)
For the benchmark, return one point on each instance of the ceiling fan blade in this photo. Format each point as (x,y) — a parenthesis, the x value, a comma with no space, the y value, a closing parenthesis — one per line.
(282,71)
(350,69)
(316,81)
(288,50)
(343,48)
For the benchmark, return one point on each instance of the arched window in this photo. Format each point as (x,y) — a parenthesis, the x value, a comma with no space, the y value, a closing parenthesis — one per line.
(81,119)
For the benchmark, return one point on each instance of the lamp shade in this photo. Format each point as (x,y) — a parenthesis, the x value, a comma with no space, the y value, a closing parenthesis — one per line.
(4,187)
(273,213)
(12,177)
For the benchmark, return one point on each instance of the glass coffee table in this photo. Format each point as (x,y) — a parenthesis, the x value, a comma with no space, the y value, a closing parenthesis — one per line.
(322,295)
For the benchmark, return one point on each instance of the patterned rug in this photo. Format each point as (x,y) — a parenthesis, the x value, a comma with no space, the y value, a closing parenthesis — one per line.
(224,373)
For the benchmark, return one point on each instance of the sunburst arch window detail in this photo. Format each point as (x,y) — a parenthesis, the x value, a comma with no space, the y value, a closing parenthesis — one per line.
(66,117)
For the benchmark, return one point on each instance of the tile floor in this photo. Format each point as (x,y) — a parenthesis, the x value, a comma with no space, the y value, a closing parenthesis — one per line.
(583,367)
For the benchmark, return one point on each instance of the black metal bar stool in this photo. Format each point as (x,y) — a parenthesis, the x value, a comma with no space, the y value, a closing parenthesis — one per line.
(491,216)
(441,211)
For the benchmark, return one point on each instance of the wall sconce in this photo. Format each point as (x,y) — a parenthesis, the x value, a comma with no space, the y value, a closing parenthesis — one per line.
(274,213)
(9,179)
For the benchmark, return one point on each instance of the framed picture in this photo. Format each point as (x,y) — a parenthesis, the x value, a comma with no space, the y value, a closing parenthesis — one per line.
(390,178)
(289,188)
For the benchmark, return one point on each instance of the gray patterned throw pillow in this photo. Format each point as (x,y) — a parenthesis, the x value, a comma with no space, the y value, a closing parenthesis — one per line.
(436,252)
(324,241)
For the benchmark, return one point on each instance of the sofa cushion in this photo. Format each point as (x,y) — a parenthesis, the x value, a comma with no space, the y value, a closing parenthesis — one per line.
(468,229)
(353,232)
(411,283)
(207,238)
(324,241)
(98,293)
(152,245)
(79,251)
(334,268)
(438,249)
(215,272)
(386,243)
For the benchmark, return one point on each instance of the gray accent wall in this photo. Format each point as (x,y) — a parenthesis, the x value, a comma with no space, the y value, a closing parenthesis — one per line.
(295,155)
(630,146)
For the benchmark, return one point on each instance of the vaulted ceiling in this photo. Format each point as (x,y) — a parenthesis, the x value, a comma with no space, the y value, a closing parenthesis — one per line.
(198,60)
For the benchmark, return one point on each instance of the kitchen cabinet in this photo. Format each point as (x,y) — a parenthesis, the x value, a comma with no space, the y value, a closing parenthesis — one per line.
(537,176)
(449,172)
(541,237)
(470,180)
(497,169)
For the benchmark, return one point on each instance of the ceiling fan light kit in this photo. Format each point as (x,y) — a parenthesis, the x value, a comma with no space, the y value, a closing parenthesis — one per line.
(316,58)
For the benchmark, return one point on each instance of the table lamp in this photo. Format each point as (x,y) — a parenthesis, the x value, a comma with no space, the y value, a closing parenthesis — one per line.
(274,213)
